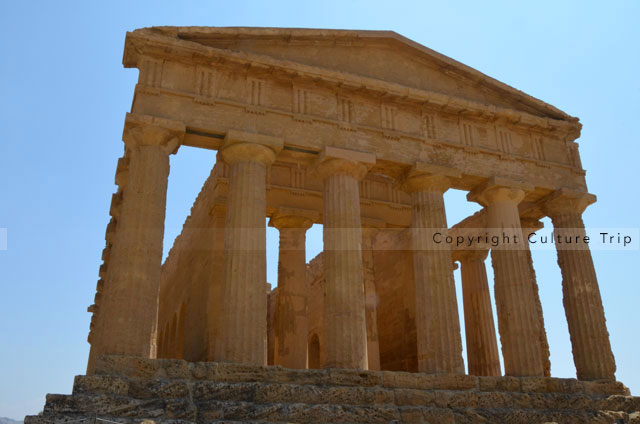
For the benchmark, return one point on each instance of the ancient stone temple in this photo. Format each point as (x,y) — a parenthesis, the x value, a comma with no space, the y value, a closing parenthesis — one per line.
(362,132)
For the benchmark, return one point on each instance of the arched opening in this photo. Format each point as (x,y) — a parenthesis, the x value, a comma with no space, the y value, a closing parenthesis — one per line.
(314,352)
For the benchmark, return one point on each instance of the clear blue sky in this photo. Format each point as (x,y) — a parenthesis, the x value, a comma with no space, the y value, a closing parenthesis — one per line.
(64,95)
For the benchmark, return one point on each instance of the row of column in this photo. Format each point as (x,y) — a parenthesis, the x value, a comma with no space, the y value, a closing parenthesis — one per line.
(524,345)
(131,296)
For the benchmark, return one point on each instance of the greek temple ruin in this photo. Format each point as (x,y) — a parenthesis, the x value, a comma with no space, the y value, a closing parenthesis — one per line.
(362,132)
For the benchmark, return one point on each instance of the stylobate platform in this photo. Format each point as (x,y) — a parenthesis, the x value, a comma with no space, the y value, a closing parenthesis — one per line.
(131,390)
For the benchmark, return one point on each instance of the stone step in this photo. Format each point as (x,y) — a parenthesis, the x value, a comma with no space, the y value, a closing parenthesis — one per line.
(76,419)
(407,415)
(105,405)
(128,390)
(345,395)
(143,368)
(112,407)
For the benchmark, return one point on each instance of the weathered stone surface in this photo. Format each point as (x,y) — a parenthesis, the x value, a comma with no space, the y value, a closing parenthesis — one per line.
(101,384)
(228,392)
(351,129)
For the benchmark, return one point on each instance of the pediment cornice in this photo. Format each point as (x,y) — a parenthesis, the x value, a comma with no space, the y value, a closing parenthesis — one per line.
(162,44)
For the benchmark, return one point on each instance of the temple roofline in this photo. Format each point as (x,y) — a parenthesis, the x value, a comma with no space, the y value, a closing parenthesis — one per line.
(449,65)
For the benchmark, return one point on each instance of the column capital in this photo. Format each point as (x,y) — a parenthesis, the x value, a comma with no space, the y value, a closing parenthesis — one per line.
(334,160)
(241,146)
(498,189)
(470,255)
(566,201)
(428,177)
(293,218)
(147,130)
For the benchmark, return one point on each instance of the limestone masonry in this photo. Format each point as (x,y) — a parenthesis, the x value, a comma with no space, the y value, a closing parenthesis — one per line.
(362,132)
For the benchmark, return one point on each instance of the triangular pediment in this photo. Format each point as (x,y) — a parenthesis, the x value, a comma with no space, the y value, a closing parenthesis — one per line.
(382,55)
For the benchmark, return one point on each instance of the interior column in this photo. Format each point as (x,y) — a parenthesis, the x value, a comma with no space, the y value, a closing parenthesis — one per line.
(370,297)
(291,329)
(482,345)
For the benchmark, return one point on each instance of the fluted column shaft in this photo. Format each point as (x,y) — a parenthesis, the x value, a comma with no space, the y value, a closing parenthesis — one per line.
(528,226)
(439,341)
(291,328)
(244,312)
(515,302)
(370,299)
(345,332)
(482,345)
(592,352)
(344,310)
(130,304)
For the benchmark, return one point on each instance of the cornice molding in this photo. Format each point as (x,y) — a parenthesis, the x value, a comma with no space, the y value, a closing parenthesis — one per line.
(141,44)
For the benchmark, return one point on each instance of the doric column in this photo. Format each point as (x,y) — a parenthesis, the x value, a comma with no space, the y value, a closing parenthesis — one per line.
(515,303)
(530,225)
(130,305)
(437,322)
(482,345)
(345,334)
(244,314)
(581,295)
(369,230)
(290,321)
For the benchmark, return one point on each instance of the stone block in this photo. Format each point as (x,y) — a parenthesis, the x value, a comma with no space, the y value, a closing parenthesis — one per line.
(100,384)
(499,384)
(414,397)
(383,395)
(244,411)
(368,414)
(129,366)
(564,385)
(464,399)
(229,372)
(202,370)
(345,377)
(209,411)
(534,384)
(448,381)
(411,414)
(399,379)
(630,404)
(493,399)
(286,375)
(605,387)
(182,409)
(438,416)
(211,390)
(158,388)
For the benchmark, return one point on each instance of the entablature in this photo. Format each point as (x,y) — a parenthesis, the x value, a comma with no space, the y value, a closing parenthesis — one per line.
(146,50)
